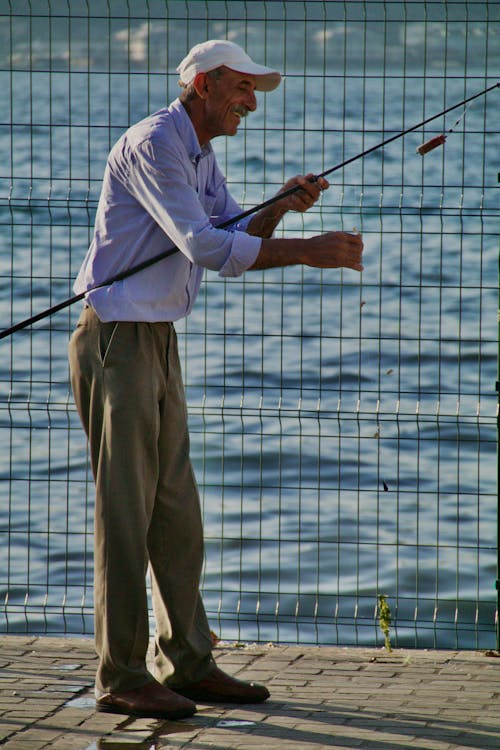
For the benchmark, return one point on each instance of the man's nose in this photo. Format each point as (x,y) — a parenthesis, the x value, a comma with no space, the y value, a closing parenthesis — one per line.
(251,102)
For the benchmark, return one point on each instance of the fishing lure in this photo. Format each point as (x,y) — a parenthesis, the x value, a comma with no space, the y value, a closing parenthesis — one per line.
(439,140)
(431,144)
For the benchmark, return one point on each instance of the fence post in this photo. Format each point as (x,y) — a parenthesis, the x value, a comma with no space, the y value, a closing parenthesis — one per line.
(497,582)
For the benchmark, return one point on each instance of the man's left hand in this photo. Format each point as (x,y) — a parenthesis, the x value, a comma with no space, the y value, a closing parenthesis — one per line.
(310,190)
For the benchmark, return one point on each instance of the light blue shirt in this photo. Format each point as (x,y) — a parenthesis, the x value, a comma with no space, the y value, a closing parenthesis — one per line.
(160,189)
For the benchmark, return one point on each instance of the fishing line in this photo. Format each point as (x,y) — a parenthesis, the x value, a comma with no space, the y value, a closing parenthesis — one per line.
(279,196)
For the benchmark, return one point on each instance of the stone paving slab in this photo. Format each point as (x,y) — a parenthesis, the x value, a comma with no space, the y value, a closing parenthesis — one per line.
(321,698)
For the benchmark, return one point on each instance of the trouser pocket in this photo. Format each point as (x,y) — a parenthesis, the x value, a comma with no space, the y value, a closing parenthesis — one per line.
(107,333)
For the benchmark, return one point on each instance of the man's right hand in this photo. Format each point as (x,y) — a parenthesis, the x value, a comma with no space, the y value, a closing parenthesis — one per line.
(328,250)
(334,250)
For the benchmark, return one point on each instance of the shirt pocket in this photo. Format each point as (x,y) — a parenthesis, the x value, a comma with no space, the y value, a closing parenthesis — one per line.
(212,184)
(208,202)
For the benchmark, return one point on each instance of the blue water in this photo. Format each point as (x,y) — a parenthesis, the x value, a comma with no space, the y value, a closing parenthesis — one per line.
(343,427)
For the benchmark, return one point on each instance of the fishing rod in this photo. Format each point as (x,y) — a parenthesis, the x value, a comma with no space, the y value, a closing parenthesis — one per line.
(423,149)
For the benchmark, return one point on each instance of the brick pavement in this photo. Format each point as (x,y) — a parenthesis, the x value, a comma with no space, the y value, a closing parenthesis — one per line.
(321,697)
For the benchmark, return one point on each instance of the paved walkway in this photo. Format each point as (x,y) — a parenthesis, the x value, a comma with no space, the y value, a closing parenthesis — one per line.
(320,698)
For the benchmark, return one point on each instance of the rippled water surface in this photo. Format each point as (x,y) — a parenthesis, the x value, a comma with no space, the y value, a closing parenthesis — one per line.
(343,428)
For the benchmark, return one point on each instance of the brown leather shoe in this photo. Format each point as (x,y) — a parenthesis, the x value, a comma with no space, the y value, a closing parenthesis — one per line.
(219,687)
(152,701)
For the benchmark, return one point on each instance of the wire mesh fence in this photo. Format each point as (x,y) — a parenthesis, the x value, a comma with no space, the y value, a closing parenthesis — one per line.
(343,430)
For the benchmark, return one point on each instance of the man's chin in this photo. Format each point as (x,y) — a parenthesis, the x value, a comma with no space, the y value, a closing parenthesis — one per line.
(235,124)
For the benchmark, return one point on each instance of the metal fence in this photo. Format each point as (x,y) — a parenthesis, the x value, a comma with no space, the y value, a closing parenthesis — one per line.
(343,428)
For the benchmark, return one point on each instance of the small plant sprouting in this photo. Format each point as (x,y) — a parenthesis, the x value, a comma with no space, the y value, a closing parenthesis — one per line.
(384,619)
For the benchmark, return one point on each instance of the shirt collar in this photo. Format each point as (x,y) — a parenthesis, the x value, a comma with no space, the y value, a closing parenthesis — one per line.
(187,132)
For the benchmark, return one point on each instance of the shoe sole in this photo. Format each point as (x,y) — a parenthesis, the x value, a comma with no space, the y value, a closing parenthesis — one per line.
(171,716)
(200,698)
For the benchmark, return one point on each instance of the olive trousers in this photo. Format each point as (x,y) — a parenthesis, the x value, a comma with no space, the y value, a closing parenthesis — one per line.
(128,389)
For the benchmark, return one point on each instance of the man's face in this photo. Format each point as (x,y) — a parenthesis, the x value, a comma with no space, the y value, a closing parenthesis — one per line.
(230,97)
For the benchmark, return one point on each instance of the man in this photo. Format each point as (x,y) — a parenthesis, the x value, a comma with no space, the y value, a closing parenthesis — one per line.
(162,187)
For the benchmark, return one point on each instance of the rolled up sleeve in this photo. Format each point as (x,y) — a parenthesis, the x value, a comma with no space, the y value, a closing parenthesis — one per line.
(244,251)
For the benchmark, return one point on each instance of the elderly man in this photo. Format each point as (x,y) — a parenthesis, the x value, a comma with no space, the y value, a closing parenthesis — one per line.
(162,187)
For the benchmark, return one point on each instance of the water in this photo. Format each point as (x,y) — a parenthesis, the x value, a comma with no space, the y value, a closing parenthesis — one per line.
(343,428)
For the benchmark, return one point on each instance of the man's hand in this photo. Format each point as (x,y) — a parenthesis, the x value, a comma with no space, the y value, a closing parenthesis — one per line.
(265,222)
(329,250)
(334,250)
(302,199)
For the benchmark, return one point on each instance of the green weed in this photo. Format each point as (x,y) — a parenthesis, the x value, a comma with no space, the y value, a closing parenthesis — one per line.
(384,620)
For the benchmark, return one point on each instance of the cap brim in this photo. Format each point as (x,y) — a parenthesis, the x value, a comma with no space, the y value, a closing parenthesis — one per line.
(266,79)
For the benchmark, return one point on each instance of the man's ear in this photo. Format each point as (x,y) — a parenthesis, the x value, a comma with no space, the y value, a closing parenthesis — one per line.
(200,84)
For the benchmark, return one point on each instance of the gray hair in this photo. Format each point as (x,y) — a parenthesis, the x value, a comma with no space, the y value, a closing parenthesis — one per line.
(188,90)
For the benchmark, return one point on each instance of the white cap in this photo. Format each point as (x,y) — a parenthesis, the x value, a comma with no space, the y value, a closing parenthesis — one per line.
(216,52)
